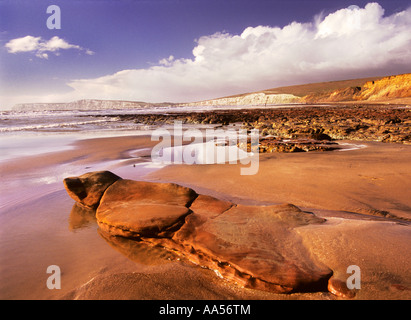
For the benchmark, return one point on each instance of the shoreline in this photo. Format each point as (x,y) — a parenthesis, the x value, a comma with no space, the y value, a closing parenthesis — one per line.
(323,180)
(347,188)
(47,229)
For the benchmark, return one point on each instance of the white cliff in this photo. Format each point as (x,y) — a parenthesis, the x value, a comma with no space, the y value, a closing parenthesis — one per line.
(252,99)
(87,104)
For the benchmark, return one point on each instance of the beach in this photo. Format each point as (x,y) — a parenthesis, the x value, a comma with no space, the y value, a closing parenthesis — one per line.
(362,193)
(176,153)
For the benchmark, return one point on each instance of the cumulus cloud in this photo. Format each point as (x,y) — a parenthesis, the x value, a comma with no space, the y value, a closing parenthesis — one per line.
(348,43)
(41,48)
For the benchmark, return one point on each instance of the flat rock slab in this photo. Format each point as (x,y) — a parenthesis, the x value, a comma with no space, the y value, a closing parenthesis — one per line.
(149,192)
(256,247)
(209,207)
(143,209)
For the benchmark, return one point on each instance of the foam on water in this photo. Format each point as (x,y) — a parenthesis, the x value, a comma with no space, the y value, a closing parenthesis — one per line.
(70,120)
(210,152)
(351,146)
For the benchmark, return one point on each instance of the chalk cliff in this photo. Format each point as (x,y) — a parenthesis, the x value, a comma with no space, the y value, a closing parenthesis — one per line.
(251,99)
(390,89)
(87,104)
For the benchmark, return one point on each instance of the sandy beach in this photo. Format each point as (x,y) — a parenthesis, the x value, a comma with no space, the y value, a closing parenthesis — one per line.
(362,193)
(41,226)
(250,152)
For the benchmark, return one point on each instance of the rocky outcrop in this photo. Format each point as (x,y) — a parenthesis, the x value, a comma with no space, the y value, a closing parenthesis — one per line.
(144,209)
(88,189)
(339,288)
(270,144)
(367,123)
(254,246)
(387,88)
(351,122)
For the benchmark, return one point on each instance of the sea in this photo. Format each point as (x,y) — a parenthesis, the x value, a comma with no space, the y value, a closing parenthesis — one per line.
(36,133)
(30,132)
(40,224)
(25,133)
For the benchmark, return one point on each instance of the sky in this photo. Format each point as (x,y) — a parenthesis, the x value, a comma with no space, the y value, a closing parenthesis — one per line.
(192,50)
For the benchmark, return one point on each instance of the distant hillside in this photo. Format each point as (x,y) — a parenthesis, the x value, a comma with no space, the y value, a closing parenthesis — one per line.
(387,89)
(87,104)
(311,88)
(320,87)
(391,89)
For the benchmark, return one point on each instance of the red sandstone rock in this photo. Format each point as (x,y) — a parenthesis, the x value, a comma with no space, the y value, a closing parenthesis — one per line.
(339,288)
(137,208)
(209,207)
(88,188)
(255,246)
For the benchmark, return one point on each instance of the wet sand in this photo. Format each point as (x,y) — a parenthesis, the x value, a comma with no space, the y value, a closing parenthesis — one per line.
(375,179)
(363,194)
(40,226)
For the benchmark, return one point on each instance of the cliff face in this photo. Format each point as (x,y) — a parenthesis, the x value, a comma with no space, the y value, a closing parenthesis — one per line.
(385,89)
(388,87)
(378,90)
(252,99)
(382,90)
(86,104)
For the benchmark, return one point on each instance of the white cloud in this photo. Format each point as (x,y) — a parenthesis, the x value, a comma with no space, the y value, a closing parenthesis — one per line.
(166,61)
(351,20)
(40,47)
(348,43)
(89,52)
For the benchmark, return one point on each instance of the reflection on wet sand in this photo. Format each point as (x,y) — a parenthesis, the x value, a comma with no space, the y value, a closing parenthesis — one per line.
(138,251)
(81,217)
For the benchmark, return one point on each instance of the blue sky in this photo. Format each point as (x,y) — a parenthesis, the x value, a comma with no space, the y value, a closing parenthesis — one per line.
(119,49)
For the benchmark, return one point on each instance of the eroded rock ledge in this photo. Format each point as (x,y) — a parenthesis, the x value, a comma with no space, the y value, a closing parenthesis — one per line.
(384,123)
(254,246)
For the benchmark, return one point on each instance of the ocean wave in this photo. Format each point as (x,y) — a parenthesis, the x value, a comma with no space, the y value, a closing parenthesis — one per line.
(54,125)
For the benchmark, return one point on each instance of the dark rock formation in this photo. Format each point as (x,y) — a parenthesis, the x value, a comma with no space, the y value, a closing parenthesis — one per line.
(88,188)
(295,145)
(339,288)
(383,123)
